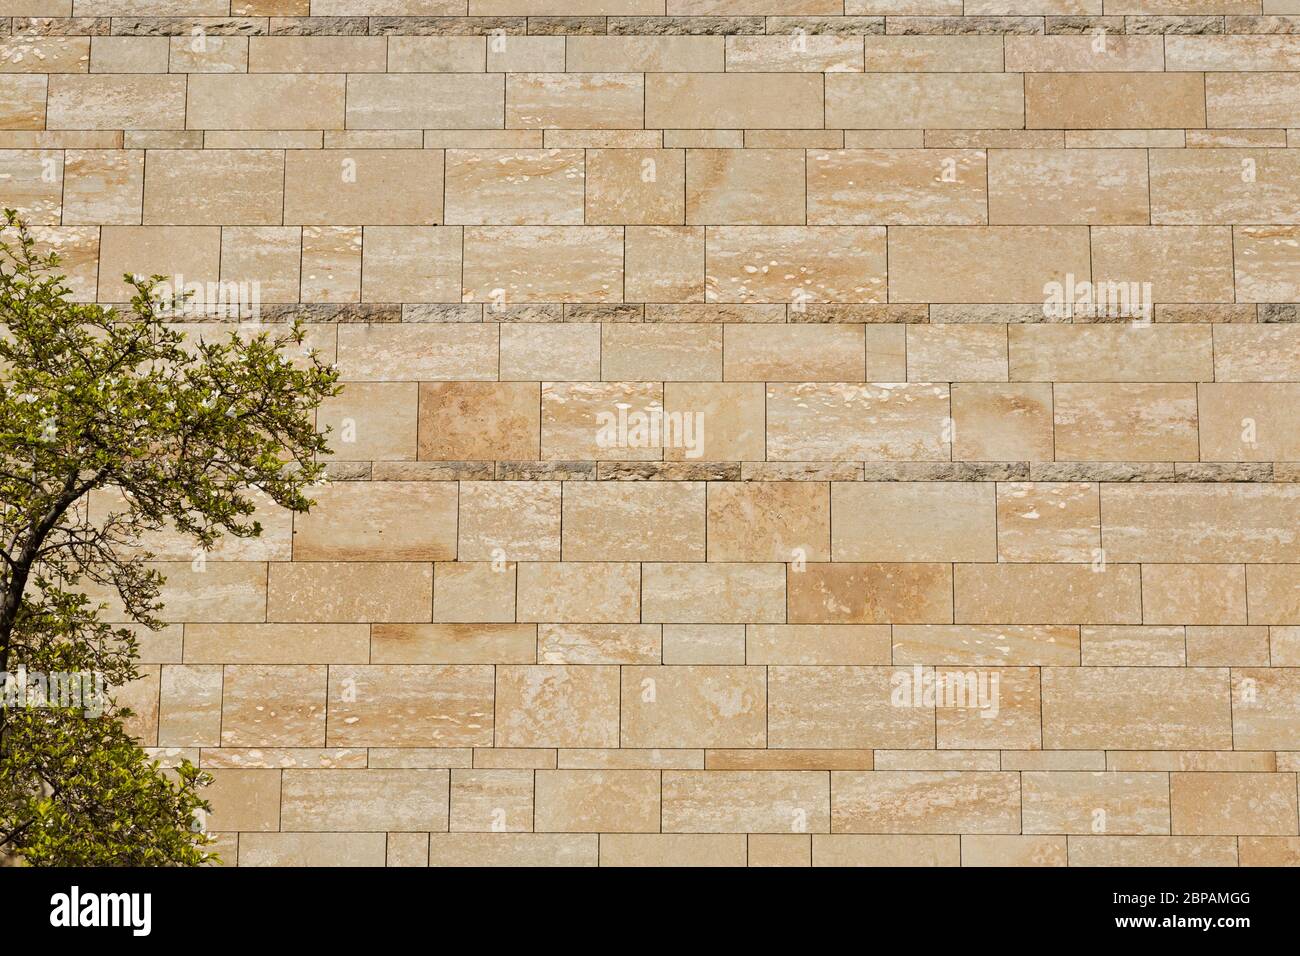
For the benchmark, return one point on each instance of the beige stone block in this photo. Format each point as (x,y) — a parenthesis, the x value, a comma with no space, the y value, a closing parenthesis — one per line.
(276,643)
(1084,186)
(984,645)
(756,187)
(993,707)
(32,183)
(217,54)
(575,591)
(1267,261)
(281,706)
(661,352)
(841,850)
(103,186)
(340,800)
(410,705)
(453,643)
(557,706)
(380,187)
(768,521)
(1048,521)
(739,101)
(371,521)
(1182,264)
(784,352)
(1193,594)
(1116,803)
(262,258)
(1123,100)
(846,707)
(897,186)
(324,591)
(575,101)
(510,520)
(1273,595)
(717,593)
(510,264)
(795,264)
(317,54)
(779,849)
(1226,646)
(136,101)
(721,801)
(1125,352)
(635,186)
(1047,594)
(1266,708)
(634,521)
(515,187)
(331,264)
(1176,851)
(462,421)
(703,643)
(913,521)
(193,252)
(1233,803)
(897,422)
(817,644)
(924,101)
(247,800)
(311,849)
(694,706)
(1002,422)
(1079,54)
(970,353)
(1124,422)
(663,264)
(406,352)
(1135,707)
(550,352)
(573,412)
(466,592)
(189,706)
(469,101)
(47,54)
(372,421)
(979,849)
(1257,353)
(491,801)
(1224,186)
(513,849)
(438,54)
(983,264)
(885,801)
(1251,100)
(871,593)
(264,101)
(23,98)
(599,644)
(733,417)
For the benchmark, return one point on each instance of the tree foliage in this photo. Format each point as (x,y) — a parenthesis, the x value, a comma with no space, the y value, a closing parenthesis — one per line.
(116,428)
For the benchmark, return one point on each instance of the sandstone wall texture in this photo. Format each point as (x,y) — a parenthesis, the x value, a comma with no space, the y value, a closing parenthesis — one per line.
(721,378)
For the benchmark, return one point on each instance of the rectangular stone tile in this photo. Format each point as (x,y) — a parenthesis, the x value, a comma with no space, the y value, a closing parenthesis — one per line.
(1002,422)
(840,849)
(930,521)
(1080,54)
(513,849)
(372,521)
(103,186)
(265,101)
(794,54)
(311,849)
(897,186)
(1179,851)
(1111,353)
(317,54)
(325,591)
(1193,594)
(739,101)
(410,706)
(577,419)
(439,54)
(897,422)
(1267,261)
(1048,521)
(599,643)
(817,644)
(1233,803)
(1047,594)
(340,800)
(799,264)
(453,643)
(23,98)
(1257,353)
(372,420)
(984,709)
(33,185)
(557,706)
(1224,186)
(1273,594)
(720,801)
(276,643)
(644,54)
(993,850)
(193,252)
(714,593)
(971,353)
(934,54)
(1219,523)
(1252,100)
(1115,101)
(983,264)
(491,801)
(898,801)
(425,101)
(744,187)
(672,849)
(694,706)
(924,101)
(844,707)
(514,187)
(1134,646)
(403,353)
(606,801)
(477,421)
(1116,803)
(579,592)
(1052,187)
(949,644)
(538,351)
(768,521)
(1180,264)
(1266,708)
(661,352)
(281,706)
(784,352)
(381,187)
(733,415)
(510,264)
(634,521)
(247,800)
(575,101)
(636,186)
(44,54)
(871,593)
(1125,422)
(189,706)
(1136,708)
(509,520)
(139,101)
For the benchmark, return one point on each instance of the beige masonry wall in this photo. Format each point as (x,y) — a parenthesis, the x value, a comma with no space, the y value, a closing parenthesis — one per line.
(702,406)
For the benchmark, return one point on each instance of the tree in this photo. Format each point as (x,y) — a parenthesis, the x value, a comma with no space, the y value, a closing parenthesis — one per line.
(178,436)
